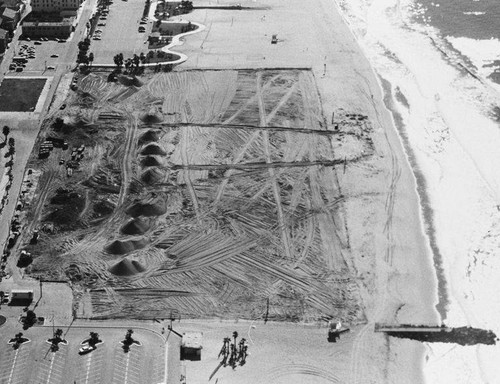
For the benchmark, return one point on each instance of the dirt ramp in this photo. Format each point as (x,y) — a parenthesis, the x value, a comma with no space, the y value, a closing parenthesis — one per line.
(153,176)
(126,267)
(149,136)
(122,247)
(153,207)
(136,226)
(153,149)
(151,161)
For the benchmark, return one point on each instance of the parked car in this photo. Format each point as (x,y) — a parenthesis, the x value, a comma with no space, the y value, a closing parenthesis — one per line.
(86,348)
(51,67)
(38,43)
(101,24)
(62,106)
(19,69)
(54,55)
(12,66)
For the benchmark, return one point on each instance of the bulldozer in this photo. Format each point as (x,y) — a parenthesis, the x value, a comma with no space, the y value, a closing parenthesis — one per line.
(335,329)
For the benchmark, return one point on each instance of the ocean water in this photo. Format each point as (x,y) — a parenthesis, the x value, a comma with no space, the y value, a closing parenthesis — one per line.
(472,27)
(474,19)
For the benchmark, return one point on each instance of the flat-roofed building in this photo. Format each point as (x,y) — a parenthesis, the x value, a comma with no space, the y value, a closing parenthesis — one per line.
(10,18)
(66,7)
(61,28)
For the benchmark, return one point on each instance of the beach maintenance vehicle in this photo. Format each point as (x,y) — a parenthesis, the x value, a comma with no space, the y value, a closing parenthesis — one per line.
(274,39)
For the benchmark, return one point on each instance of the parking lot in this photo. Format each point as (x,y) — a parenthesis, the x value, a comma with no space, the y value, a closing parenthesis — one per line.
(42,57)
(33,362)
(120,34)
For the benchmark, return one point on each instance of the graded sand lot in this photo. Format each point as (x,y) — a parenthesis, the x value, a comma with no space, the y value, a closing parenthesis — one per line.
(207,204)
(181,204)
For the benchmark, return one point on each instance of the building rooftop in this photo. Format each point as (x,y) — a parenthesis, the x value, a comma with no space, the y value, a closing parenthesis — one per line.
(36,23)
(192,340)
(9,14)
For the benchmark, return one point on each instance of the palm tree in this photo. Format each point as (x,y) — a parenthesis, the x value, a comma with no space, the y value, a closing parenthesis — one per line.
(6,131)
(94,338)
(128,337)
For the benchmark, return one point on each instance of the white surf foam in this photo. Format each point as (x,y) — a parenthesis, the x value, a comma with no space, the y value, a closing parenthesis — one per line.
(480,52)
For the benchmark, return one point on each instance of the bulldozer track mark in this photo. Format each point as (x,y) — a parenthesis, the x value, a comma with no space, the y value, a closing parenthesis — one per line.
(302,369)
(250,101)
(184,156)
(245,166)
(267,152)
(249,127)
(389,208)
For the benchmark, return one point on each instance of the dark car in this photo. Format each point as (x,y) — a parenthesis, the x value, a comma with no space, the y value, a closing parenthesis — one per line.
(62,106)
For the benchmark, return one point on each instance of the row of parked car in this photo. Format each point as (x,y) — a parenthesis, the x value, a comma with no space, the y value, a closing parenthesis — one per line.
(103,17)
(144,20)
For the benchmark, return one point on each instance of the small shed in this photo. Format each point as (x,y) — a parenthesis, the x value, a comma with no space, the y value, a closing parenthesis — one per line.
(21,296)
(191,345)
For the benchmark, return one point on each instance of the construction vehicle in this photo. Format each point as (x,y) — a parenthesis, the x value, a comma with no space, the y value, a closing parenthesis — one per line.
(335,330)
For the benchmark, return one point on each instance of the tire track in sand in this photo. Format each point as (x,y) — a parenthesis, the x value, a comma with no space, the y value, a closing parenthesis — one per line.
(276,191)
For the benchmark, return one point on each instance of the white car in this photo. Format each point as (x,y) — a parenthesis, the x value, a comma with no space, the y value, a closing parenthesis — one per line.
(86,348)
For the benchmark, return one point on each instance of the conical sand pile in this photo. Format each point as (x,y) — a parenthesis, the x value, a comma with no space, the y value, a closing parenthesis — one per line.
(153,176)
(149,136)
(136,226)
(122,247)
(150,161)
(154,207)
(126,268)
(153,149)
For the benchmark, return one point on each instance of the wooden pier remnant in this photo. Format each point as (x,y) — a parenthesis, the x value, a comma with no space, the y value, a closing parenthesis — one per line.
(439,334)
